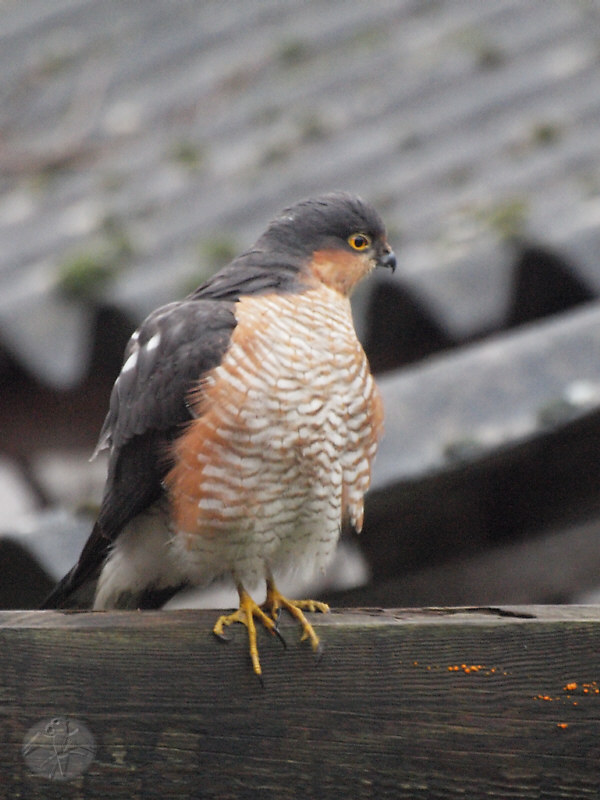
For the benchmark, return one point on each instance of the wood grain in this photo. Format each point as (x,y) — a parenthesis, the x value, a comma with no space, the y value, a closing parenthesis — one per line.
(435,703)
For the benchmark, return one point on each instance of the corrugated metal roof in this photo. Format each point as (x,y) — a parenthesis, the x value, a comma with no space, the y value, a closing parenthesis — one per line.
(143,143)
(149,136)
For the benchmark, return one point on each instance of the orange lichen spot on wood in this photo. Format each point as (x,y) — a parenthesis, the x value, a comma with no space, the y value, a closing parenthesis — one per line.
(570,687)
(471,668)
(545,697)
(562,725)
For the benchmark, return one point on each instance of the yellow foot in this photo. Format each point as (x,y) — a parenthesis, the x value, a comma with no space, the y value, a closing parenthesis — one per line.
(245,614)
(276,601)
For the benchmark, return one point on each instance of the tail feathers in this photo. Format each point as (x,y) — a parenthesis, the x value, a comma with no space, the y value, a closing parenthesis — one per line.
(149,598)
(78,587)
(82,598)
(66,595)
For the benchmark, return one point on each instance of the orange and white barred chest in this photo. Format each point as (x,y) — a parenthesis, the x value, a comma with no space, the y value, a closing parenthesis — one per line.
(283,443)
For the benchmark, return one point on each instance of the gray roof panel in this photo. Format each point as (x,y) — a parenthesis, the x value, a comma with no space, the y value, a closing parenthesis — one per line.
(163,125)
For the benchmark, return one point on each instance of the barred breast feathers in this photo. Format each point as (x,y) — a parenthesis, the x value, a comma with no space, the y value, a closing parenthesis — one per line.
(292,404)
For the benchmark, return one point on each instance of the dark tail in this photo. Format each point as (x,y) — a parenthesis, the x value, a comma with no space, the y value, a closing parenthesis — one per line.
(78,587)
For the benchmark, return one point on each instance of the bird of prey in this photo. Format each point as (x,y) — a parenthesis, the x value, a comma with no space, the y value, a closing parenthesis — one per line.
(242,427)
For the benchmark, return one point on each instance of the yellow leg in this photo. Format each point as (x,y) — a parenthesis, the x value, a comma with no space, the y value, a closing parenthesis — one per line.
(276,601)
(245,614)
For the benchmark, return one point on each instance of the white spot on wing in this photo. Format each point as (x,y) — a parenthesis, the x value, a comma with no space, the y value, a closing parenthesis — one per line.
(153,343)
(131,362)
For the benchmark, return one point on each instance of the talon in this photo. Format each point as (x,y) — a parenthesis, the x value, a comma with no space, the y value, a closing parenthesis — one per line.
(275,602)
(249,611)
(319,653)
(278,634)
(245,614)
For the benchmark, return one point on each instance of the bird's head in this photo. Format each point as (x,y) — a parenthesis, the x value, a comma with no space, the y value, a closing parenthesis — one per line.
(336,239)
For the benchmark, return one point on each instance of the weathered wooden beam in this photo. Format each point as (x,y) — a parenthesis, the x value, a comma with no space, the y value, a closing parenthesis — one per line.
(435,703)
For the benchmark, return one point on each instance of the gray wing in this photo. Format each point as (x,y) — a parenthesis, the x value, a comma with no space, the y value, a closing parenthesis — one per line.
(164,360)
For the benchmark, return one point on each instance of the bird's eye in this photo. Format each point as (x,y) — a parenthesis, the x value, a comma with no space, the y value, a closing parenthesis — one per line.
(359,241)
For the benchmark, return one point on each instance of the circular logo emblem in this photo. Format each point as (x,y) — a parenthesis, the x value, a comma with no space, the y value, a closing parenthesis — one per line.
(60,748)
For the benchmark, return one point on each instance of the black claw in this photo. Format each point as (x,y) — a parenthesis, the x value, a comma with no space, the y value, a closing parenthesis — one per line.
(261,680)
(280,637)
(319,653)
(221,637)
(277,617)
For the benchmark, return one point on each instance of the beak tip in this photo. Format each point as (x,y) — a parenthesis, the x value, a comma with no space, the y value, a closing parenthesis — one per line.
(389,261)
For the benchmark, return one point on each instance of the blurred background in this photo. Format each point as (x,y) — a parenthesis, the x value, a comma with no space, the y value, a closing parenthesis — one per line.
(143,145)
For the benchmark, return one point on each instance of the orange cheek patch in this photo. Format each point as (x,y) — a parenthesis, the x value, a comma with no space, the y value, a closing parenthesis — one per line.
(340,270)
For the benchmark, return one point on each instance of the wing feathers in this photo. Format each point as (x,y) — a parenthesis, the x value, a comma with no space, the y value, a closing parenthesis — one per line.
(164,360)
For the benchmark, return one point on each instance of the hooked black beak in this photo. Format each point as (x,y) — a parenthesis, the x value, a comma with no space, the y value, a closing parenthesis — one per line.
(388,259)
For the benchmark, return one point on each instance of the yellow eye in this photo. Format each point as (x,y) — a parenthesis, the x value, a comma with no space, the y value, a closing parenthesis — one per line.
(359,241)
